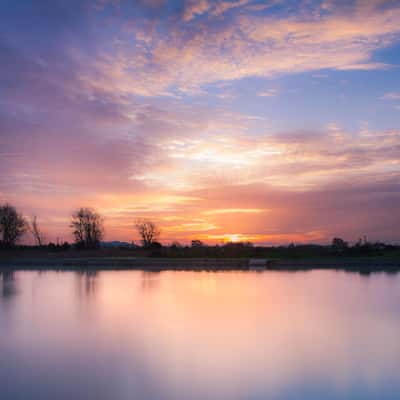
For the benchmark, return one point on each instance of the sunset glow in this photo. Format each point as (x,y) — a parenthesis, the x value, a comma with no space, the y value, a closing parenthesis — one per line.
(223,121)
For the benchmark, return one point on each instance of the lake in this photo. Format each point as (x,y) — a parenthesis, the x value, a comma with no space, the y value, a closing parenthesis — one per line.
(199,335)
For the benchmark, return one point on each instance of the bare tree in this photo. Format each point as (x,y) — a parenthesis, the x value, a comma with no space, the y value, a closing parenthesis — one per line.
(38,235)
(148,231)
(12,225)
(339,245)
(88,227)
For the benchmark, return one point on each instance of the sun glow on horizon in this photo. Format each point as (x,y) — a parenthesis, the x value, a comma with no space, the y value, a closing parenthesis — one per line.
(234,238)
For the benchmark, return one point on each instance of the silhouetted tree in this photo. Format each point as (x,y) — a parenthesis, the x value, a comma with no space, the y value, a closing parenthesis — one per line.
(148,231)
(88,228)
(38,235)
(197,243)
(339,244)
(12,225)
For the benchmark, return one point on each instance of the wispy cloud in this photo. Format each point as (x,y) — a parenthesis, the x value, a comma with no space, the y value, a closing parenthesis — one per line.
(233,211)
(251,45)
(268,93)
(195,8)
(391,96)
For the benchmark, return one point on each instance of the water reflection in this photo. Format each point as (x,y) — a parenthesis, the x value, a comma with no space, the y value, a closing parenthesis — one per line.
(188,335)
(8,284)
(86,283)
(150,280)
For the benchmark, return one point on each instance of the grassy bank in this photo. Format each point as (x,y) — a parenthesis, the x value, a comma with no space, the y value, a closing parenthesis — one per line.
(80,261)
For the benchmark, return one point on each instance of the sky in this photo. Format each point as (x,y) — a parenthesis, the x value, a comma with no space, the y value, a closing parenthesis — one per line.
(272,121)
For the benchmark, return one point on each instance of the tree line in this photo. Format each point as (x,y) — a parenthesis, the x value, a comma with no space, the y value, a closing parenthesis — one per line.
(87,227)
(86,223)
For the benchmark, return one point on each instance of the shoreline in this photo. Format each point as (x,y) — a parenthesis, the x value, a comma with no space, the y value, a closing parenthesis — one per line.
(372,264)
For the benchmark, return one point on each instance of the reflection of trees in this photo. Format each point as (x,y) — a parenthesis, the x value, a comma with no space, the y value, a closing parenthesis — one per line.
(87,283)
(8,284)
(150,280)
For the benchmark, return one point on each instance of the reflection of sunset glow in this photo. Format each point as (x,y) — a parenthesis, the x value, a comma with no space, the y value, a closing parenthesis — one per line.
(200,335)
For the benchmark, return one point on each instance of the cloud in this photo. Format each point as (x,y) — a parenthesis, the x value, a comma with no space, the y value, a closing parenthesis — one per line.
(147,55)
(233,211)
(363,66)
(302,159)
(268,93)
(158,61)
(194,8)
(391,96)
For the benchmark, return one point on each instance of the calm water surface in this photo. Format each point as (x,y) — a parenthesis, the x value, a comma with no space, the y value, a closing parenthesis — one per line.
(198,335)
